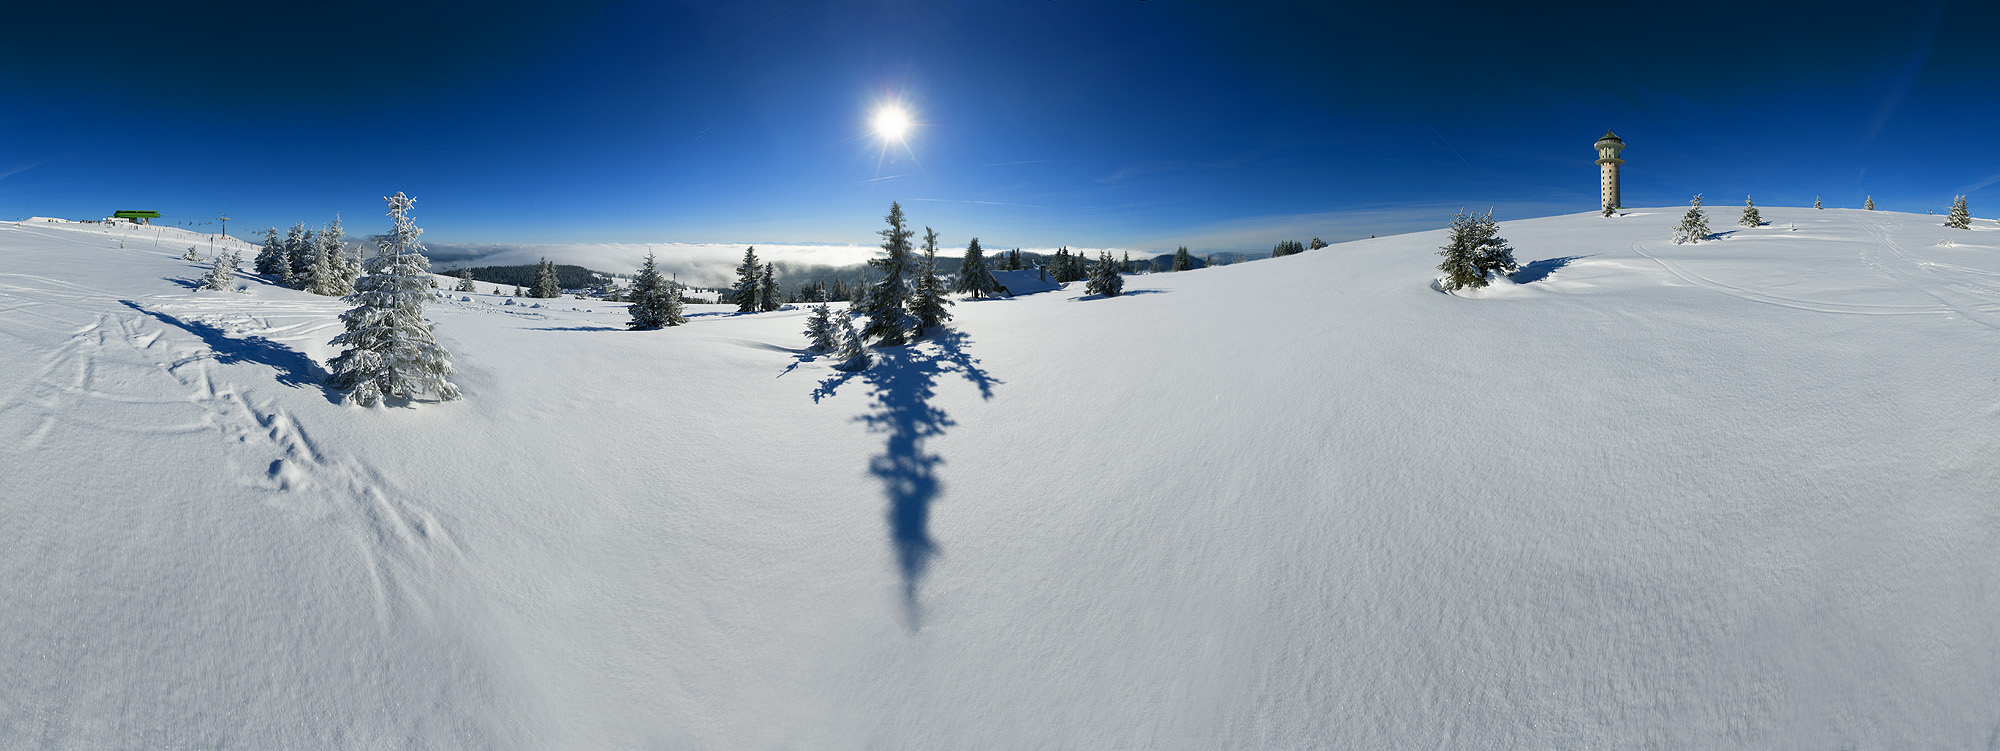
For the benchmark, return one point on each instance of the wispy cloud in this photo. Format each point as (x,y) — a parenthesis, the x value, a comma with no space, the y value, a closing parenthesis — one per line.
(982,203)
(1981,185)
(29,166)
(879,179)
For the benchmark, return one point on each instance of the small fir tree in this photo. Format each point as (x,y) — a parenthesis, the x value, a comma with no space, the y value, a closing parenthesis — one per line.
(1870,205)
(223,274)
(1316,244)
(465,280)
(1961,217)
(1750,216)
(928,300)
(1461,255)
(821,334)
(390,351)
(1816,204)
(1694,225)
(749,280)
(884,302)
(853,356)
(190,255)
(973,276)
(1125,266)
(518,292)
(1104,277)
(1182,261)
(655,302)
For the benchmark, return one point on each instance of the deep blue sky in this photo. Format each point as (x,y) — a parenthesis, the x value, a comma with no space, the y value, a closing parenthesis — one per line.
(1138,124)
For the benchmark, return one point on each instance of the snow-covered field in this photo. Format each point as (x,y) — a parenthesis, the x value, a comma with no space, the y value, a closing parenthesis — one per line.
(1740,494)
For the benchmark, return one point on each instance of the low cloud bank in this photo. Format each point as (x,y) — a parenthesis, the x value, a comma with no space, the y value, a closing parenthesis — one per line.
(697,264)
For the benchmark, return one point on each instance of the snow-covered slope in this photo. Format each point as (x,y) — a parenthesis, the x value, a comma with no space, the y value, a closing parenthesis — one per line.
(1740,494)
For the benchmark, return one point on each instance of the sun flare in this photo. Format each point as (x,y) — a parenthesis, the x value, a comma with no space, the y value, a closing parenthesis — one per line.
(891,122)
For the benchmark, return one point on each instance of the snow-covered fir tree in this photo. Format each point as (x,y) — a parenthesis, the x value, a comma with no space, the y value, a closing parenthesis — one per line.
(1816,203)
(1316,244)
(1491,253)
(655,301)
(465,280)
(769,297)
(885,302)
(1694,225)
(853,354)
(272,257)
(546,285)
(343,269)
(1182,261)
(1750,215)
(223,274)
(973,276)
(1104,277)
(323,277)
(1870,205)
(1961,217)
(190,255)
(1474,252)
(288,269)
(390,352)
(302,254)
(749,281)
(821,335)
(928,300)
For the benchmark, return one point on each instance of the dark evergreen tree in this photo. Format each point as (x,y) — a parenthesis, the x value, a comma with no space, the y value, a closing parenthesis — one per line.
(1104,277)
(655,301)
(1491,254)
(1125,266)
(884,302)
(973,276)
(767,288)
(928,301)
(749,280)
(1694,226)
(1286,248)
(1182,261)
(546,284)
(1750,216)
(1316,244)
(1461,255)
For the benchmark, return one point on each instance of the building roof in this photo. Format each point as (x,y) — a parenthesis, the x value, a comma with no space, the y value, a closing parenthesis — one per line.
(1610,136)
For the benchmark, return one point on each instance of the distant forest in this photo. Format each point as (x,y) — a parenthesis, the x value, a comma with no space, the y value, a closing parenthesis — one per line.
(568,277)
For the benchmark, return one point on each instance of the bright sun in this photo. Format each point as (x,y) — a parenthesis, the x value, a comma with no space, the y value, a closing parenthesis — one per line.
(891,122)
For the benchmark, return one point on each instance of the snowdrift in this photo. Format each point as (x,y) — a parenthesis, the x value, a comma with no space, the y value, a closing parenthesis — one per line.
(1737,494)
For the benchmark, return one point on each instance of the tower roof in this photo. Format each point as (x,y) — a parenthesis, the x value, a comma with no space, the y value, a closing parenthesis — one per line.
(1610,136)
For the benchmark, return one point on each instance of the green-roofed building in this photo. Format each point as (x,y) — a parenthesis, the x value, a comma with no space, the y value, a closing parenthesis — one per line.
(141,217)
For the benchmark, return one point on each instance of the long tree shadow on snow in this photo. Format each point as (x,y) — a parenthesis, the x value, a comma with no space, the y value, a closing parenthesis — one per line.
(294,368)
(1539,270)
(901,386)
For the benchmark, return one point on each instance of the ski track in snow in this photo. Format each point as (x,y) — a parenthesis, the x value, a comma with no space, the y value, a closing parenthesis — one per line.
(114,358)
